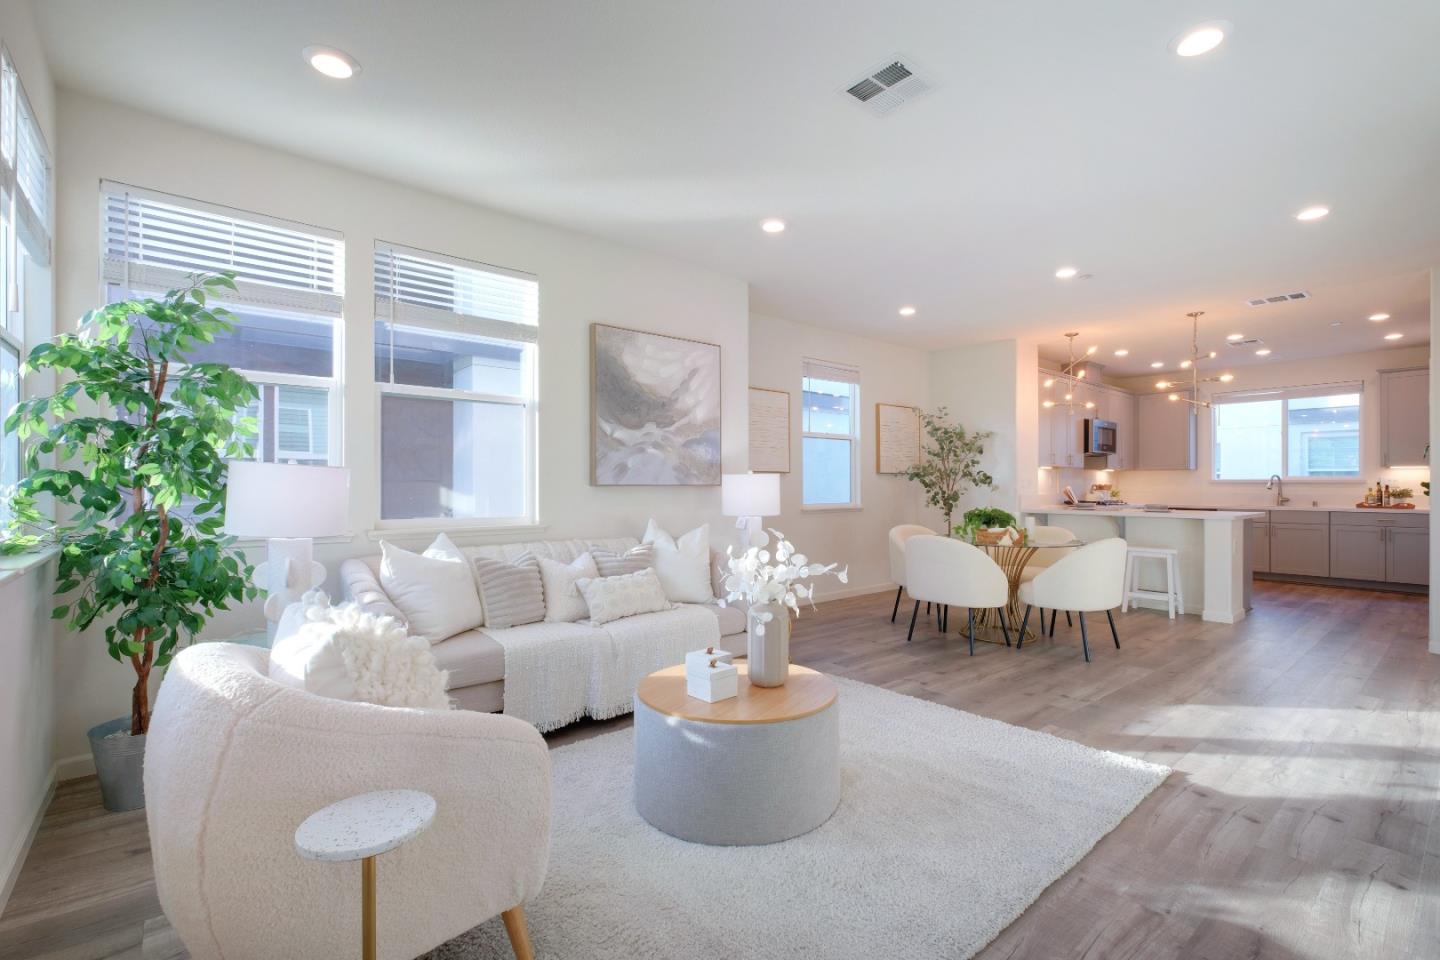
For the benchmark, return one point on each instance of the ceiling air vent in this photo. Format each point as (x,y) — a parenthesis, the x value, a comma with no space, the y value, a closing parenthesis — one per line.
(888,85)
(1278,298)
(1249,342)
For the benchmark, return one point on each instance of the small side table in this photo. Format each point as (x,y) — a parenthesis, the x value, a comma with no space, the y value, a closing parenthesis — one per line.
(361,828)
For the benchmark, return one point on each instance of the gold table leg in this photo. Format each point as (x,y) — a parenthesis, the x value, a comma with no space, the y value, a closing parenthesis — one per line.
(1011,559)
(367,908)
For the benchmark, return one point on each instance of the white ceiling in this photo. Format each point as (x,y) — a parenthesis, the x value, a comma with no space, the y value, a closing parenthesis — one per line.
(1059,133)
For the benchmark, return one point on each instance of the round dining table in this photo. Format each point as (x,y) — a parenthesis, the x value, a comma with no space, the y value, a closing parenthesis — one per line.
(1012,558)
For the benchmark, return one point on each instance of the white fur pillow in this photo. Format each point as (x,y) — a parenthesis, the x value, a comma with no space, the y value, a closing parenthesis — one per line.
(436,594)
(563,603)
(684,565)
(347,654)
(610,598)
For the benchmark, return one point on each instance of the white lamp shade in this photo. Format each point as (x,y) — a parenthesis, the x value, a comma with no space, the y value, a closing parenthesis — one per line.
(286,500)
(750,494)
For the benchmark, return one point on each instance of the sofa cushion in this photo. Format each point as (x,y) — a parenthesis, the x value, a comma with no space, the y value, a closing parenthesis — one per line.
(563,600)
(684,564)
(510,589)
(436,594)
(732,620)
(613,564)
(610,598)
(471,657)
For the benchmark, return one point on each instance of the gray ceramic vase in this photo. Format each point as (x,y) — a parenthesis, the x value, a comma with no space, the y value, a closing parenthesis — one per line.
(768,654)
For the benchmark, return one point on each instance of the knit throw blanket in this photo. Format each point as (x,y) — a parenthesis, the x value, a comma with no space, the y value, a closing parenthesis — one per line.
(557,673)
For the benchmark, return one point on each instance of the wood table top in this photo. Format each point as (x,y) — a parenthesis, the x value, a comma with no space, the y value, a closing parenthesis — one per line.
(806,692)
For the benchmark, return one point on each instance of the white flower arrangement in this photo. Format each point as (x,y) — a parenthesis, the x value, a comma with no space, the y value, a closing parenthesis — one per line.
(757,580)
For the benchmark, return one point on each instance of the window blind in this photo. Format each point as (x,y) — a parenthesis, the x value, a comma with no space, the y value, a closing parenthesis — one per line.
(430,290)
(1290,393)
(823,370)
(26,163)
(155,241)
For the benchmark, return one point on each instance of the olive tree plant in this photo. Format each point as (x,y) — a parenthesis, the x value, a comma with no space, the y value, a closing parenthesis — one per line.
(950,462)
(139,481)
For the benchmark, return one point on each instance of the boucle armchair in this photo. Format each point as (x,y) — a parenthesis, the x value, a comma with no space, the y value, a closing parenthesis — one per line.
(234,762)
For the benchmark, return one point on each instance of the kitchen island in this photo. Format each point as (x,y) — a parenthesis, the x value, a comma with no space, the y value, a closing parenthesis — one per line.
(1214,547)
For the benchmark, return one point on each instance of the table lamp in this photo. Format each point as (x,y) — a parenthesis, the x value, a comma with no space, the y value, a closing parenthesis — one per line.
(748,497)
(287,505)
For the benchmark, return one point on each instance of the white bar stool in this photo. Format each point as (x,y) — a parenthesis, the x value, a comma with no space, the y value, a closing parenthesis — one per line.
(1173,595)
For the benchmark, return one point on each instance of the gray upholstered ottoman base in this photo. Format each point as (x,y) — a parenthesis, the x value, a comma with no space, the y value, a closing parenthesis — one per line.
(736,783)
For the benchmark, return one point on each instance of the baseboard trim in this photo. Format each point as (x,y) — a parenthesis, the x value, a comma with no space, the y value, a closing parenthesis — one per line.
(847,592)
(15,861)
(73,768)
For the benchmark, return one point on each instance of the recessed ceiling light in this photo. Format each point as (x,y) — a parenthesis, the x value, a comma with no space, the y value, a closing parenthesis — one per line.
(1200,39)
(773,225)
(1312,213)
(1157,364)
(336,64)
(1066,273)
(1226,377)
(1378,317)
(1122,352)
(1263,352)
(1235,336)
(1393,336)
(907,311)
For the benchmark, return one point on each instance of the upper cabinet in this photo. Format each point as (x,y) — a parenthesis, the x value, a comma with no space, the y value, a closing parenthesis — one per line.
(1164,433)
(1404,416)
(1120,408)
(1061,430)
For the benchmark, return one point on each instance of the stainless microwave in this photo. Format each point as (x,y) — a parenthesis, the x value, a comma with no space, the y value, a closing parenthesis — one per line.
(1099,438)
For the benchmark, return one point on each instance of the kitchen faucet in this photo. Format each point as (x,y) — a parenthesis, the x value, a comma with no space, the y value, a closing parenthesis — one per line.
(1278,485)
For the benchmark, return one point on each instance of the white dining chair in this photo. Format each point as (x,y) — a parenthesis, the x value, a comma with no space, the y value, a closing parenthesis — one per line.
(950,573)
(1045,538)
(1090,579)
(898,536)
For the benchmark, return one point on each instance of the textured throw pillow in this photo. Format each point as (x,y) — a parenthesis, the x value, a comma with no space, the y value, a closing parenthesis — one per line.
(437,596)
(347,654)
(511,590)
(612,564)
(563,603)
(610,598)
(684,565)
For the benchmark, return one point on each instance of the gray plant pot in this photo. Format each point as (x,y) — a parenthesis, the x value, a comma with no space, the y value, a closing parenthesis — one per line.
(120,764)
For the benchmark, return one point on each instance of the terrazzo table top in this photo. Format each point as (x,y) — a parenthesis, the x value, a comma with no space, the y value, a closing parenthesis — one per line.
(365,825)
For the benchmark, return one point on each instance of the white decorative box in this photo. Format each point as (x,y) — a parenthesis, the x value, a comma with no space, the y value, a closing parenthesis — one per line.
(720,682)
(696,659)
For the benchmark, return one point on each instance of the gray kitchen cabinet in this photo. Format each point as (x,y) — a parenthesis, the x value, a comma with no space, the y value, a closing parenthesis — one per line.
(1404,416)
(1164,433)
(1120,407)
(1260,546)
(1407,554)
(1300,542)
(1357,551)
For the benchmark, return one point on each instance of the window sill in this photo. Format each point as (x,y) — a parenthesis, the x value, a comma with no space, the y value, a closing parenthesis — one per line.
(428,530)
(832,508)
(17,566)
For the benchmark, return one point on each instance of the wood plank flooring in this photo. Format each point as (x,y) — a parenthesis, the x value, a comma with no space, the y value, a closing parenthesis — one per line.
(1301,821)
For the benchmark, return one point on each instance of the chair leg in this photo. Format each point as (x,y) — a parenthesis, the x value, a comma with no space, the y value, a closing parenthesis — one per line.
(1084,640)
(971,612)
(1004,628)
(913,614)
(945,618)
(1052,622)
(1115,636)
(519,937)
(898,591)
(927,608)
(1024,622)
(1069,624)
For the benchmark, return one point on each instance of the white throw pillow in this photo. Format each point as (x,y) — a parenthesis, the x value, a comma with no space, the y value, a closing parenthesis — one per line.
(683,566)
(437,596)
(610,598)
(563,602)
(347,654)
(443,548)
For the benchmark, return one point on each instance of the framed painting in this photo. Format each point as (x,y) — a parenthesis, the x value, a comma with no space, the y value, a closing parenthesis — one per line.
(655,409)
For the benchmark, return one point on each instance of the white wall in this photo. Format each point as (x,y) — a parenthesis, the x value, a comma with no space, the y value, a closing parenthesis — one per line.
(1195,486)
(993,386)
(888,374)
(583,280)
(1434,446)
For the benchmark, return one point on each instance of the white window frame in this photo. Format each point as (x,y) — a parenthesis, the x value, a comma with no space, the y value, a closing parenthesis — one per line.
(853,436)
(387,311)
(1283,394)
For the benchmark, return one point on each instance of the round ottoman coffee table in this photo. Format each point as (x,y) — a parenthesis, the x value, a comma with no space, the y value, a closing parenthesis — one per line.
(758,768)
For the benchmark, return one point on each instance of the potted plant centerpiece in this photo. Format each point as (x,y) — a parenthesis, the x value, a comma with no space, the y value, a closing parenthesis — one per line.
(985,520)
(773,587)
(139,490)
(951,462)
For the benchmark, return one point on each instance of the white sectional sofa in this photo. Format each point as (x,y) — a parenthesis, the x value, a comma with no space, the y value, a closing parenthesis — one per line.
(560,672)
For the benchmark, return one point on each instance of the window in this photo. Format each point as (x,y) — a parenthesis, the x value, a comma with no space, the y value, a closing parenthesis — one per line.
(25,170)
(830,435)
(455,361)
(286,309)
(1295,432)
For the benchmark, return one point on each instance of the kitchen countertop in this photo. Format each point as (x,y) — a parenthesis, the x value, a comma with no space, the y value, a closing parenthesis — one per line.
(1324,509)
(1133,511)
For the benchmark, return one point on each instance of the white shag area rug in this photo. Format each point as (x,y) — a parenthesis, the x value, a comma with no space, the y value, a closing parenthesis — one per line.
(949,826)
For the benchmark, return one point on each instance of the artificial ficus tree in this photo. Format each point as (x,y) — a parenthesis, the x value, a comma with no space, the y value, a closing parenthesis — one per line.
(139,481)
(951,462)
